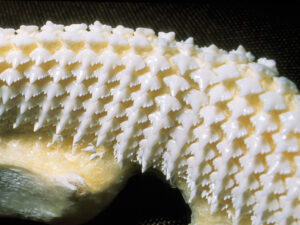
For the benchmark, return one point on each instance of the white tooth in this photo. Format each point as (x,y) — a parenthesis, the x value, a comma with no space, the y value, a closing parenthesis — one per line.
(22,39)
(138,41)
(204,78)
(226,71)
(211,115)
(10,76)
(3,42)
(157,63)
(70,36)
(59,73)
(239,107)
(64,56)
(167,103)
(290,121)
(16,58)
(117,40)
(272,101)
(285,143)
(40,55)
(169,36)
(35,73)
(248,85)
(133,61)
(234,129)
(46,35)
(263,122)
(284,85)
(184,63)
(218,93)
(176,84)
(196,99)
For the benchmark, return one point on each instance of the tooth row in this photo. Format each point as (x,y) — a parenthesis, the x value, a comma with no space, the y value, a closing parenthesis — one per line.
(225,124)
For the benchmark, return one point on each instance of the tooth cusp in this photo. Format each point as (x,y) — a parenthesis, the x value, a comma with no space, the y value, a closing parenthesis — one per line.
(272,101)
(219,93)
(248,86)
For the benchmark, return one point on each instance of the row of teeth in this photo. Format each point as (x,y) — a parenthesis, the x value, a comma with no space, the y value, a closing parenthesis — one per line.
(227,125)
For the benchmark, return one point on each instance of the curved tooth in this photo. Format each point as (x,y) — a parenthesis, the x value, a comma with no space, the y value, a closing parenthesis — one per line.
(16,57)
(59,73)
(167,103)
(226,71)
(211,114)
(22,39)
(11,76)
(204,78)
(184,63)
(40,55)
(263,122)
(176,84)
(52,90)
(35,73)
(218,93)
(248,85)
(272,101)
(64,56)
(239,107)
(157,63)
(139,41)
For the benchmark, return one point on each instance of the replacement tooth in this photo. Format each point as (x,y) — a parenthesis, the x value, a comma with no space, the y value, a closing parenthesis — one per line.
(81,107)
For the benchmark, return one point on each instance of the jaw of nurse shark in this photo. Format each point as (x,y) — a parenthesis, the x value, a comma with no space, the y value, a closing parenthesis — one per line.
(82,106)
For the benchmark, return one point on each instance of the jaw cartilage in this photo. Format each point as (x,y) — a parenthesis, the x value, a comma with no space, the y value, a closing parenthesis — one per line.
(225,125)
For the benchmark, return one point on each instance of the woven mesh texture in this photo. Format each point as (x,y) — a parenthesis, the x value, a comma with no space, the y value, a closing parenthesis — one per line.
(271,31)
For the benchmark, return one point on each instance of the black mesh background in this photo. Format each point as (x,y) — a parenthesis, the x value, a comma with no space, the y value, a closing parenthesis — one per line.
(267,30)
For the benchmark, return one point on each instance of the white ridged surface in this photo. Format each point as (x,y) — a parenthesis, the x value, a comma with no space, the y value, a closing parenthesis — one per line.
(224,123)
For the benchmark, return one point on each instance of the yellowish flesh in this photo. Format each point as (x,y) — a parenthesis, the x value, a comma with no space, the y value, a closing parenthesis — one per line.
(68,188)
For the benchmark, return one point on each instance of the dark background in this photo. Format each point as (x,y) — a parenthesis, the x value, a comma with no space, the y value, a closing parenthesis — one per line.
(270,30)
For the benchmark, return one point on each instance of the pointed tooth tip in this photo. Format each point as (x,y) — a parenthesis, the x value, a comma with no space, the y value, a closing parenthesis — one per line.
(36,127)
(77,138)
